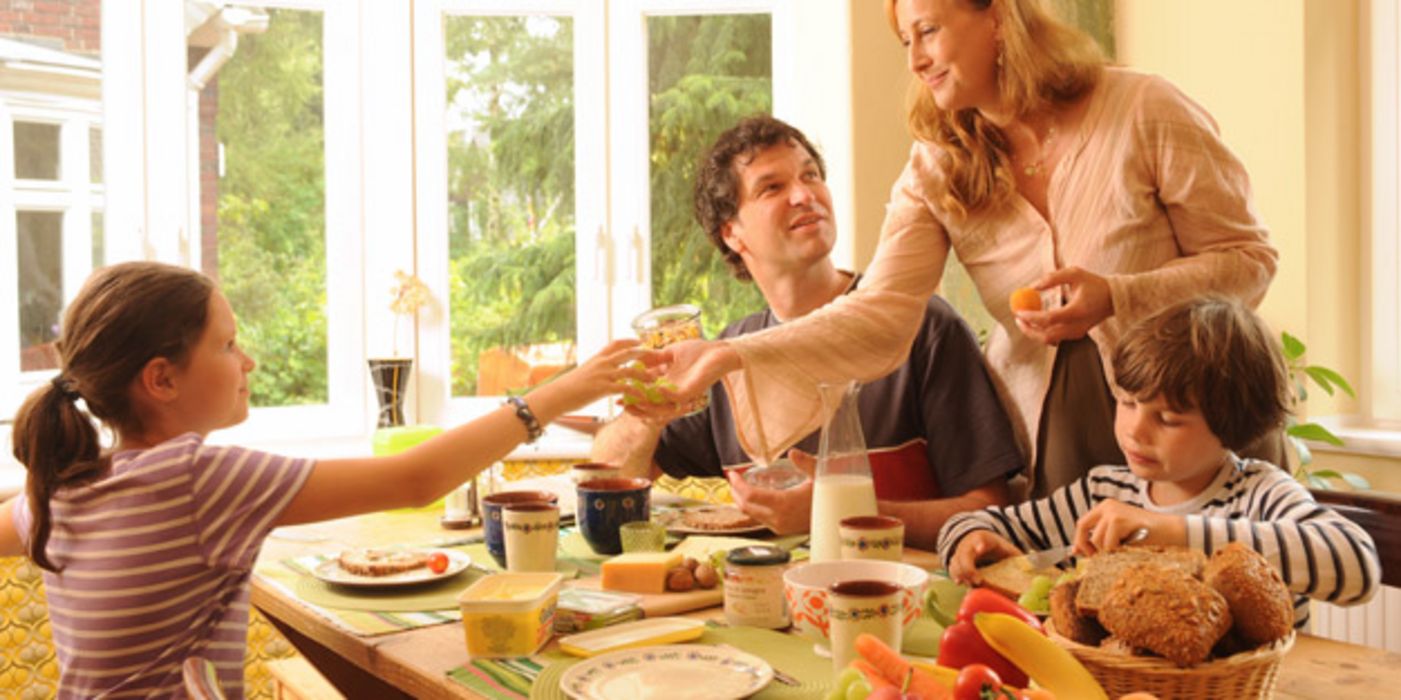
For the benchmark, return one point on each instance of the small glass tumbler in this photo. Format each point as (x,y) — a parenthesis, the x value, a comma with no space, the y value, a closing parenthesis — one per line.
(642,536)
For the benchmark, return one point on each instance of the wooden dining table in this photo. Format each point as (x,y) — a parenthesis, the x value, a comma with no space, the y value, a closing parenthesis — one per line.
(415,663)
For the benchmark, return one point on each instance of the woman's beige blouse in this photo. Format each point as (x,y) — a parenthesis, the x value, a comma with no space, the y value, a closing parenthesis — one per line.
(1147,196)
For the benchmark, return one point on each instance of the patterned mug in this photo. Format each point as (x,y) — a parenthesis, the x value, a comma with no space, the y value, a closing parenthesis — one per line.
(872,537)
(605,504)
(863,607)
(492,530)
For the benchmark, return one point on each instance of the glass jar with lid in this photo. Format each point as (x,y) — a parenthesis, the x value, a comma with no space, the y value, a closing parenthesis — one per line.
(754,587)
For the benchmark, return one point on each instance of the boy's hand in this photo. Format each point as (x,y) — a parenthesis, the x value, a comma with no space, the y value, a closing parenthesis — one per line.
(980,545)
(1111,522)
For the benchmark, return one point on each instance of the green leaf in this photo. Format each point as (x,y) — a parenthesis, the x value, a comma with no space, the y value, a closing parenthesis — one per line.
(1319,378)
(1322,374)
(1293,347)
(1319,483)
(1302,448)
(1327,474)
(1356,481)
(1314,431)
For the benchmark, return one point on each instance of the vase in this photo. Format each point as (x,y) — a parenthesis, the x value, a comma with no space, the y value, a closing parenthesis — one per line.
(391,379)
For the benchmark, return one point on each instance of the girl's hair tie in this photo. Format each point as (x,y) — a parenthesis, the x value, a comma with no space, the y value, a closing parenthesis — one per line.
(61,383)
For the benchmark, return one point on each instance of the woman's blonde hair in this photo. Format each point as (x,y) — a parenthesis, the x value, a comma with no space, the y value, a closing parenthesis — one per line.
(1044,62)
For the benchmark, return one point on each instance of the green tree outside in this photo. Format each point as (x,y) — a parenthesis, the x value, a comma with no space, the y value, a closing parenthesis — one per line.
(272,206)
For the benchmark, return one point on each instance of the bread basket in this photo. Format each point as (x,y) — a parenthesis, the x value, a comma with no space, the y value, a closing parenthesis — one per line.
(1249,674)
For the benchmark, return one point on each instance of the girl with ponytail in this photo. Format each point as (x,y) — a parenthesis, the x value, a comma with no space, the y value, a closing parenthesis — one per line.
(147,545)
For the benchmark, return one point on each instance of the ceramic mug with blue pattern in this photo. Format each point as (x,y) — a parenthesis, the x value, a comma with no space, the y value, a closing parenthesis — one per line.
(605,504)
(492,530)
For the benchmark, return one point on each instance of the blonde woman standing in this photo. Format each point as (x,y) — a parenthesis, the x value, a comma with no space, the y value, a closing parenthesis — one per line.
(1040,166)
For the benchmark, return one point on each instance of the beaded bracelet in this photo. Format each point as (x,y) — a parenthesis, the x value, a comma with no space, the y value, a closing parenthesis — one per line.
(523,412)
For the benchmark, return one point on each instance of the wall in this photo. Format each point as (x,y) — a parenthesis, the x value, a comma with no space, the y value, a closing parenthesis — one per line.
(67,25)
(1283,81)
(878,120)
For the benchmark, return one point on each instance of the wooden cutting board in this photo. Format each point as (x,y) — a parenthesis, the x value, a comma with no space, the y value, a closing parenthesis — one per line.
(663,604)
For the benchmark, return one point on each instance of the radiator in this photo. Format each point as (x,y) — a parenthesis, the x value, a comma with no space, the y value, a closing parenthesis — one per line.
(1375,624)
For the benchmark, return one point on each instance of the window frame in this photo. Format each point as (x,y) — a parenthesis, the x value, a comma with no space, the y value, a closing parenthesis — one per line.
(73,195)
(349,410)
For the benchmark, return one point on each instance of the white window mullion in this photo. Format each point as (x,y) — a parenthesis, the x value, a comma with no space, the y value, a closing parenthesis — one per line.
(9,271)
(164,141)
(77,218)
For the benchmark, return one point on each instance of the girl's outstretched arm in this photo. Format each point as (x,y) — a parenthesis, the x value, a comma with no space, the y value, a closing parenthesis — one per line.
(341,487)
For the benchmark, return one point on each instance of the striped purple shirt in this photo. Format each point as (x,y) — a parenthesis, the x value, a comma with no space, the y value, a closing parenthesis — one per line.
(155,560)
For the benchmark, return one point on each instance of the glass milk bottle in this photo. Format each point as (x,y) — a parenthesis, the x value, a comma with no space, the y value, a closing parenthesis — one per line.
(843,485)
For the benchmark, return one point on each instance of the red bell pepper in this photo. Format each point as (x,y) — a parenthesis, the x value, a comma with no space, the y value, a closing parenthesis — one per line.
(987,600)
(962,645)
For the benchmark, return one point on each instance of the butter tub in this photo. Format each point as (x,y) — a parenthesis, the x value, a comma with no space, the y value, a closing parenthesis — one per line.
(509,614)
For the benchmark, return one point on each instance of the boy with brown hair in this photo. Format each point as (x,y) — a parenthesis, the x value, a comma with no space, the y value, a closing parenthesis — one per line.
(1196,382)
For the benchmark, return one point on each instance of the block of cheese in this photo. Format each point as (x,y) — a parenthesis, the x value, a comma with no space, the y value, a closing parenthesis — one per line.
(639,572)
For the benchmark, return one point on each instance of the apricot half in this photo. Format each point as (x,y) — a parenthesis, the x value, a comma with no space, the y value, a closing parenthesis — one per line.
(1025,299)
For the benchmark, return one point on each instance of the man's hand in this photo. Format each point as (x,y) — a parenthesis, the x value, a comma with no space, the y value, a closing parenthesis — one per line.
(1090,303)
(691,367)
(786,511)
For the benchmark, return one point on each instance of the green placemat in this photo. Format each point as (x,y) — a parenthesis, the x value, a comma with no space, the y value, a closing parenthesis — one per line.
(439,595)
(922,638)
(788,653)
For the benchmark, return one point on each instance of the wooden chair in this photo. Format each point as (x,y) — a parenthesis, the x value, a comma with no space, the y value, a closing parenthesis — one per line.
(296,679)
(1380,515)
(201,679)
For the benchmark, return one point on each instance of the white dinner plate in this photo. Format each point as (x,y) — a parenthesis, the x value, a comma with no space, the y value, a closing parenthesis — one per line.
(331,572)
(672,519)
(674,672)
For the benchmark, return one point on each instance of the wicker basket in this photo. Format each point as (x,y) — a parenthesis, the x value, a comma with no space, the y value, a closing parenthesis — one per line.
(1249,674)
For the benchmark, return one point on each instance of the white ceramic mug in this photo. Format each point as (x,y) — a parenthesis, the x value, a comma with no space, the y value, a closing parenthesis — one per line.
(872,537)
(585,471)
(863,607)
(532,535)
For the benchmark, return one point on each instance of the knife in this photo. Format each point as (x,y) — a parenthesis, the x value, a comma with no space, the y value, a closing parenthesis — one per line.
(1047,558)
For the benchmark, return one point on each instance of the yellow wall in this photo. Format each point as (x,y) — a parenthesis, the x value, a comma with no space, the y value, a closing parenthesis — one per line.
(1283,81)
(878,119)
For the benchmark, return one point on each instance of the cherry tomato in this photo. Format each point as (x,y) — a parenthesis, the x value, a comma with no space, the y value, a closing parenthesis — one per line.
(974,680)
(437,562)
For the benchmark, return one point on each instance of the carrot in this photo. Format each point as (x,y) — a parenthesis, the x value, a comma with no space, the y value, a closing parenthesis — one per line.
(873,676)
(895,670)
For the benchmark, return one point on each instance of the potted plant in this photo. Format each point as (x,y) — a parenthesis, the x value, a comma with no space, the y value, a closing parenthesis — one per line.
(391,374)
(1328,380)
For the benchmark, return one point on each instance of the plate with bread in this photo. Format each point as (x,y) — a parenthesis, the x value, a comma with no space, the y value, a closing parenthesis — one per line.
(380,567)
(708,520)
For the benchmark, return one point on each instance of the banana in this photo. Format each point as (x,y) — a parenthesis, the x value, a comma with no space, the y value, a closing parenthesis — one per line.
(943,674)
(1052,667)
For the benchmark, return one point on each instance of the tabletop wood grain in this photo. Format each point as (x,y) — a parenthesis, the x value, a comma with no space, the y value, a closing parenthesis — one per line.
(416,662)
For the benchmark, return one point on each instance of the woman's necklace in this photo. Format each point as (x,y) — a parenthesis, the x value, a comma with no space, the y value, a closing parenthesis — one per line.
(1035,168)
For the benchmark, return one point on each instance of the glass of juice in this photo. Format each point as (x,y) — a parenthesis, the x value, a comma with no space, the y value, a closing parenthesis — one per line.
(665,325)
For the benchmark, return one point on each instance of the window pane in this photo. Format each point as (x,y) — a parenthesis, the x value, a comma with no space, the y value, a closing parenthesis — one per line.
(511,200)
(705,73)
(36,151)
(267,244)
(95,155)
(40,242)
